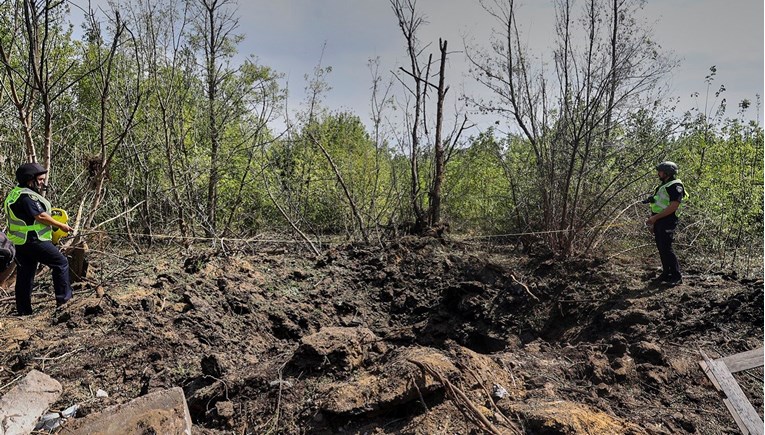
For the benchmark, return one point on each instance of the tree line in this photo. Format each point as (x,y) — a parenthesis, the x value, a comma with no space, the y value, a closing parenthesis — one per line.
(153,123)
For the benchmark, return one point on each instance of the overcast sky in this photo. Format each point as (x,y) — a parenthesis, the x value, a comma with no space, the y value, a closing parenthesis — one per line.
(288,35)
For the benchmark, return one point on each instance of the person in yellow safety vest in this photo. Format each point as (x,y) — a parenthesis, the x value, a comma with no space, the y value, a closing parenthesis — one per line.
(30,229)
(666,204)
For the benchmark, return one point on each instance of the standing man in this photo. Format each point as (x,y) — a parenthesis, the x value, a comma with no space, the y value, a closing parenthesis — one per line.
(665,208)
(29,228)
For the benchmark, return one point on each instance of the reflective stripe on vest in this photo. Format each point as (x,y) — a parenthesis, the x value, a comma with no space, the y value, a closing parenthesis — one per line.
(661,198)
(17,228)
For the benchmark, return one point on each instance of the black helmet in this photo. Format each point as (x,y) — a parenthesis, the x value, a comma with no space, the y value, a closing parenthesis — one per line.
(669,168)
(29,171)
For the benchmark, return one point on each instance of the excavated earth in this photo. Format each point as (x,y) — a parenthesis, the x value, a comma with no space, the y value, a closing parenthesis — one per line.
(420,336)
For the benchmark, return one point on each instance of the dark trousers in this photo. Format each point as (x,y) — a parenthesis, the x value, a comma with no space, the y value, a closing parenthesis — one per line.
(28,257)
(664,233)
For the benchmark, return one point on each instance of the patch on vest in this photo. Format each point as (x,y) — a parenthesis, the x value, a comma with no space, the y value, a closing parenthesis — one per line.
(679,189)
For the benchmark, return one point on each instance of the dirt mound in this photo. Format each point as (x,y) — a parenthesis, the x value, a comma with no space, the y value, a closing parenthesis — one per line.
(419,336)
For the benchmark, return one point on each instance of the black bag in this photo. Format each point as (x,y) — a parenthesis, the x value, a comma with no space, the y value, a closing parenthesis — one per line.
(7,252)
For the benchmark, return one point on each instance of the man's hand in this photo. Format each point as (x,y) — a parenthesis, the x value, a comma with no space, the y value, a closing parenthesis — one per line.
(65,228)
(651,220)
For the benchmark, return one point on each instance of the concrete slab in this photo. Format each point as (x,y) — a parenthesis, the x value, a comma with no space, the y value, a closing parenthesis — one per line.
(24,404)
(160,412)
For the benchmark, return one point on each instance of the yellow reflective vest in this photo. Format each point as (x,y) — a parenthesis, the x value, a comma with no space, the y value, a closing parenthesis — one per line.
(661,198)
(17,228)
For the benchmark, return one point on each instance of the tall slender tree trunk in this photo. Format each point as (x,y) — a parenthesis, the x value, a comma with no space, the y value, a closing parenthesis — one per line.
(212,96)
(438,179)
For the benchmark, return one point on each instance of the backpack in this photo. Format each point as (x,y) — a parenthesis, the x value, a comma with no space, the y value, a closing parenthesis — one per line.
(7,252)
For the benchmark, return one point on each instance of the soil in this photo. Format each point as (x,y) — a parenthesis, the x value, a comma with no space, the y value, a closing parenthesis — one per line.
(420,336)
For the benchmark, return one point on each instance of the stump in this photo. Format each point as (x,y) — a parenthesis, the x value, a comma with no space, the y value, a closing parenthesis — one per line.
(78,263)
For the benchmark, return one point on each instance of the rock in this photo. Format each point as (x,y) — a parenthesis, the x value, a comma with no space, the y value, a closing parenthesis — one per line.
(498,392)
(648,352)
(22,406)
(334,348)
(160,412)
(101,393)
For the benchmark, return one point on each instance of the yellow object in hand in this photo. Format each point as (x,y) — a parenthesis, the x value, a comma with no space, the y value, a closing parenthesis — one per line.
(59,214)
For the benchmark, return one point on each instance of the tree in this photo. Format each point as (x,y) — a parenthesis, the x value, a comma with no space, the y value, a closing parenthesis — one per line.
(215,26)
(36,54)
(116,116)
(161,29)
(410,20)
(581,122)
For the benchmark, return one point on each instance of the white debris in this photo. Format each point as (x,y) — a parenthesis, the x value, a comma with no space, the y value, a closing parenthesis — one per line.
(52,420)
(499,392)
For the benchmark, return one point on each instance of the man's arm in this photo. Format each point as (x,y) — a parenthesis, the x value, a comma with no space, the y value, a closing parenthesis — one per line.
(45,218)
(671,208)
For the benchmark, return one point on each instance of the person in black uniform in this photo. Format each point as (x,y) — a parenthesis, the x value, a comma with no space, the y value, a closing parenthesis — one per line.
(665,208)
(30,227)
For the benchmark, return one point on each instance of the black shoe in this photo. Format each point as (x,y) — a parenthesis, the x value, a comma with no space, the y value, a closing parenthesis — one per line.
(661,278)
(673,281)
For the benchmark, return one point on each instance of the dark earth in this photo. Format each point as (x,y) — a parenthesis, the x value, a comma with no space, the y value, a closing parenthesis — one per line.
(419,336)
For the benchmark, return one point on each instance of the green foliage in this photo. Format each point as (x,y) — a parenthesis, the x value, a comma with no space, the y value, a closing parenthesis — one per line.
(722,165)
(478,196)
(581,167)
(310,184)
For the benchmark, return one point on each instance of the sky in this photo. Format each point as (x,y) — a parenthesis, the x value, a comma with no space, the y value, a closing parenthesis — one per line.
(290,36)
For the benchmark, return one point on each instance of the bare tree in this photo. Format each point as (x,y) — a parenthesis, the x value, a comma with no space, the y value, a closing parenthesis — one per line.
(379,101)
(112,134)
(582,123)
(410,20)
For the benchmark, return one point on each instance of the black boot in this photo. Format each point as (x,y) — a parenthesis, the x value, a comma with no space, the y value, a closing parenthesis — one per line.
(673,280)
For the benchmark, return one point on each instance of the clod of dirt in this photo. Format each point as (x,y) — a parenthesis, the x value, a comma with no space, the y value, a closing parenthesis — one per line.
(600,369)
(648,352)
(399,382)
(212,366)
(563,417)
(335,349)
(625,320)
(624,368)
